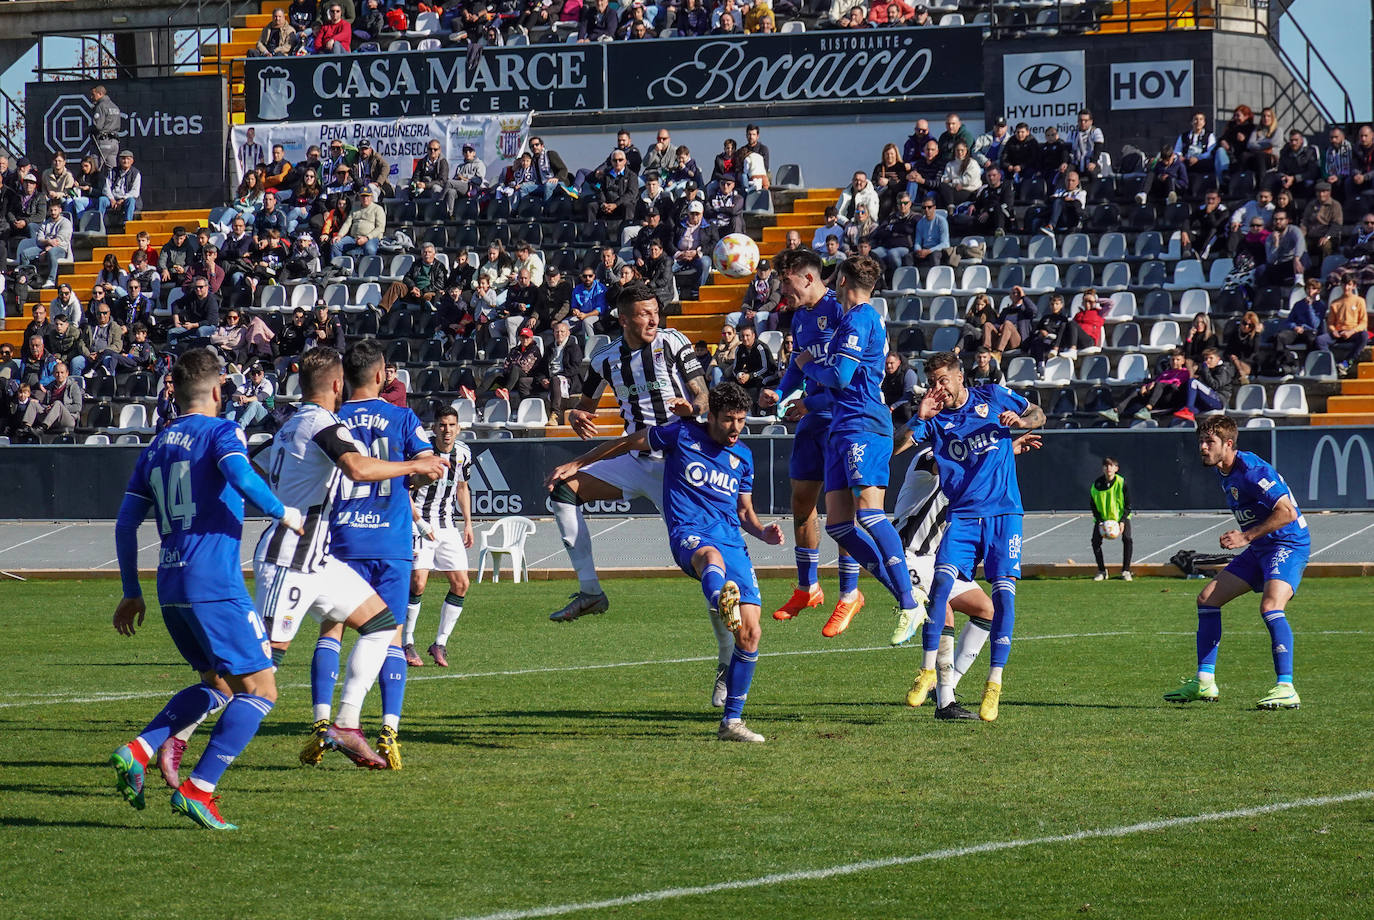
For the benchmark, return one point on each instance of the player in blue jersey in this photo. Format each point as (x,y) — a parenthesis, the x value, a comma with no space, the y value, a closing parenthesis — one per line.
(858,446)
(708,484)
(972,431)
(371,532)
(816,314)
(1274,544)
(195,476)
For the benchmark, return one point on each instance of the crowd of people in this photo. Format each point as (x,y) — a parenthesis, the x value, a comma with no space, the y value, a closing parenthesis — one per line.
(345,26)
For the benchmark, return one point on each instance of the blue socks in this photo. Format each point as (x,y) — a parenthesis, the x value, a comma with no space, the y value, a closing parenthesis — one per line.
(1003,619)
(1281,634)
(186,708)
(712,580)
(891,553)
(324,674)
(1208,637)
(235,728)
(939,600)
(849,574)
(808,564)
(393,686)
(856,542)
(738,675)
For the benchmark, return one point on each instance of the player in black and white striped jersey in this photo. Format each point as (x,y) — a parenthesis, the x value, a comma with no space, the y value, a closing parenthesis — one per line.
(443,536)
(295,574)
(921,517)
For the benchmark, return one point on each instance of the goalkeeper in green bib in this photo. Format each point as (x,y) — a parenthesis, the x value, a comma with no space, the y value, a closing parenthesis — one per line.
(1111,505)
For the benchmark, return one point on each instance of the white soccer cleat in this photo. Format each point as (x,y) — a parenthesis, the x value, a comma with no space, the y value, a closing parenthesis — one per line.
(736,730)
(718,690)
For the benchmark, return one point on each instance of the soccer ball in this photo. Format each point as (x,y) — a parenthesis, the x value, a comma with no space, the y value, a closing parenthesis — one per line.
(736,255)
(1111,529)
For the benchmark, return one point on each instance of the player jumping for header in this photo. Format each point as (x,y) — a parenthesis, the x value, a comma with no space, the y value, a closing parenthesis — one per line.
(1274,543)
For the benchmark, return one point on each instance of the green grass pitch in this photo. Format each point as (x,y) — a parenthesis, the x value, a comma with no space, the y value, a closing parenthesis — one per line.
(562,765)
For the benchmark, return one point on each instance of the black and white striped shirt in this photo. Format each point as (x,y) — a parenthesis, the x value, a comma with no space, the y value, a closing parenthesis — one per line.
(924,522)
(302,470)
(646,379)
(438,501)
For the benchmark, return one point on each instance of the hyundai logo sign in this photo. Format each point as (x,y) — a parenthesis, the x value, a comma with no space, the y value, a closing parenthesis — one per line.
(1044,78)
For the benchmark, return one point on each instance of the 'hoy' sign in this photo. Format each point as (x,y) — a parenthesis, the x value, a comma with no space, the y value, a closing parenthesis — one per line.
(1152,85)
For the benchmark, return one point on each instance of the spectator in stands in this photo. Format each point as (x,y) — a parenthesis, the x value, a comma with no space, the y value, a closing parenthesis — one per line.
(1283,252)
(932,236)
(629,274)
(899,386)
(657,272)
(955,131)
(793,239)
(393,387)
(752,145)
(1200,338)
(684,173)
(278,171)
(694,242)
(362,232)
(1210,386)
(1052,331)
(58,181)
(195,314)
(527,259)
(1283,201)
(424,281)
(498,268)
(335,34)
(894,238)
(1306,319)
(962,177)
(726,24)
(831,227)
(40,325)
(1347,325)
(987,149)
(758,308)
(1021,156)
(598,22)
(470,176)
(100,340)
(65,340)
(614,200)
(1013,325)
(121,188)
(142,271)
(1197,147)
(729,162)
(1361,164)
(984,370)
(1321,224)
(1361,244)
(86,190)
(831,259)
(1087,145)
(1165,391)
(113,279)
(661,156)
(429,177)
(68,303)
(241,339)
(59,406)
(556,296)
(37,365)
(859,191)
(1242,344)
(138,353)
(1056,155)
(373,170)
(32,209)
(302,16)
(916,141)
(755,366)
(269,217)
(1235,139)
(725,209)
(992,205)
(326,329)
(278,38)
(307,200)
(1262,149)
(1168,178)
(251,403)
(302,259)
(921,16)
(693,19)
(521,307)
(137,307)
(653,228)
(1205,234)
(205,265)
(979,314)
(52,239)
(889,176)
(1261,209)
(588,303)
(608,269)
(516,372)
(1339,163)
(559,374)
(1090,321)
(926,171)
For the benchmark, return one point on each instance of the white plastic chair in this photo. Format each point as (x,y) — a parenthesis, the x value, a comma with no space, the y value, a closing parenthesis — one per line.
(531,415)
(1164,336)
(1289,399)
(939,280)
(506,537)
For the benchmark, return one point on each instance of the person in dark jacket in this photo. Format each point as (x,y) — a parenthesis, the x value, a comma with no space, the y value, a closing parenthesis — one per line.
(1168,177)
(984,369)
(894,238)
(615,199)
(1209,389)
(755,367)
(1206,232)
(1052,334)
(1299,166)
(899,388)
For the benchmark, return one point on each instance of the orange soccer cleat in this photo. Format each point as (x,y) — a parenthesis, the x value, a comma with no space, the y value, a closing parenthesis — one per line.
(844,612)
(801,599)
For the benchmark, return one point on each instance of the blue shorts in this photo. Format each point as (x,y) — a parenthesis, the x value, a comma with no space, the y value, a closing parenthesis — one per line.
(808,448)
(994,541)
(1280,562)
(857,460)
(390,578)
(739,568)
(227,637)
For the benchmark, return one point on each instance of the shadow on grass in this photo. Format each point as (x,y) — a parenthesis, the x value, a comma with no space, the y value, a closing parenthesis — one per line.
(23,821)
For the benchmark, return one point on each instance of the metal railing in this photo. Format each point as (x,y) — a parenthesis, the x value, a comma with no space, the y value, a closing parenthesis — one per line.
(11,125)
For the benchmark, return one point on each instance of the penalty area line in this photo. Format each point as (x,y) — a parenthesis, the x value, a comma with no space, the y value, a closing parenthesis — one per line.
(117,695)
(868,865)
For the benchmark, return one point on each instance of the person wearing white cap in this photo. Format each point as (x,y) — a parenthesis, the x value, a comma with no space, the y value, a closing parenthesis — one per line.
(693,243)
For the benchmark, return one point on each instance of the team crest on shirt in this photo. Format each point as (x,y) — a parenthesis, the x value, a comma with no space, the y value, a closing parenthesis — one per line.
(820,323)
(734,463)
(981,410)
(1235,493)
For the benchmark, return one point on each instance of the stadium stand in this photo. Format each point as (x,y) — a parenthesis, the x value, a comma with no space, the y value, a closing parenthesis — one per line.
(1009,256)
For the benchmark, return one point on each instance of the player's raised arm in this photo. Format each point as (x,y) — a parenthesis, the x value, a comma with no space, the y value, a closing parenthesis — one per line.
(1284,513)
(359,467)
(639,441)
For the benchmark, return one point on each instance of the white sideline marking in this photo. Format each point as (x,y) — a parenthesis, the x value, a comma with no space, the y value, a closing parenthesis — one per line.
(36,539)
(867,865)
(56,699)
(1340,541)
(1064,524)
(1185,539)
(561,550)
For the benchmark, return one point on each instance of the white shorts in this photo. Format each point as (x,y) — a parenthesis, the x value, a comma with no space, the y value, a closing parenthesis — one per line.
(923,567)
(634,476)
(285,597)
(445,553)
